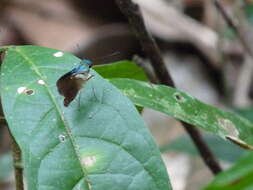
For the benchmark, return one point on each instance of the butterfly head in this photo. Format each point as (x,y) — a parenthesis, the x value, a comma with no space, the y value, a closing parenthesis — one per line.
(82,68)
(86,62)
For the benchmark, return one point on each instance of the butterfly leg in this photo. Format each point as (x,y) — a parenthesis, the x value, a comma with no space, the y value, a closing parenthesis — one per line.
(90,77)
(80,93)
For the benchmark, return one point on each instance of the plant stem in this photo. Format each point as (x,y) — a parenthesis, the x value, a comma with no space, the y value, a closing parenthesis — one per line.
(16,154)
(151,49)
(17,161)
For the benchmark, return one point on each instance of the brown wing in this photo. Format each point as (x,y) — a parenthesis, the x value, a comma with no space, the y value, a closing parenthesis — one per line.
(68,87)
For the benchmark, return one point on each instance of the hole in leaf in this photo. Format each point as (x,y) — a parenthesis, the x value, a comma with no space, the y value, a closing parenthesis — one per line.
(29,92)
(24,90)
(62,138)
(179,97)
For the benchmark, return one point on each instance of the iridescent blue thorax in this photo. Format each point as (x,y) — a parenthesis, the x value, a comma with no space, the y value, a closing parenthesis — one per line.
(83,67)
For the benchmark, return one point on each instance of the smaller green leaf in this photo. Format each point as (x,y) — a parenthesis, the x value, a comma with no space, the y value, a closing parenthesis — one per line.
(239,177)
(187,108)
(121,69)
(246,113)
(222,149)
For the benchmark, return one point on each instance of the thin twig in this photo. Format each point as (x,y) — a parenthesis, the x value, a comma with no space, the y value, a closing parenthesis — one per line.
(133,14)
(233,25)
(147,69)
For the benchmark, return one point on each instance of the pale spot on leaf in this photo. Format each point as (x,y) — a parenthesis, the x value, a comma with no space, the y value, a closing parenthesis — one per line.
(21,89)
(228,126)
(42,82)
(89,161)
(58,54)
(24,90)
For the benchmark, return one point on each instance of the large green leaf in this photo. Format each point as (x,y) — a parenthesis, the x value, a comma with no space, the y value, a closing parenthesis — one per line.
(99,142)
(223,150)
(239,177)
(187,108)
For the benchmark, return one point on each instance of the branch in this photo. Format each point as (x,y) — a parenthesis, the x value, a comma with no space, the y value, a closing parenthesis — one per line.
(146,68)
(232,24)
(17,158)
(133,14)
(17,161)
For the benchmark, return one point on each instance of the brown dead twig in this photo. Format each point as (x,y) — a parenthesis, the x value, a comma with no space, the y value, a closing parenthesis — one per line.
(17,162)
(134,16)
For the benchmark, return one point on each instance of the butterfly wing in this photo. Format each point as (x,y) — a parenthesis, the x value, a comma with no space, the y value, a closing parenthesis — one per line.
(70,84)
(67,87)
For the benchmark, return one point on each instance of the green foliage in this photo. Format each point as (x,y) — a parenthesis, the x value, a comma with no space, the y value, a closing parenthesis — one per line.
(239,177)
(187,108)
(99,142)
(121,69)
(246,113)
(223,150)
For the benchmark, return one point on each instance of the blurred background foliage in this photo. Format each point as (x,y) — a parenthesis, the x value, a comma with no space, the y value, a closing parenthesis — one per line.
(204,56)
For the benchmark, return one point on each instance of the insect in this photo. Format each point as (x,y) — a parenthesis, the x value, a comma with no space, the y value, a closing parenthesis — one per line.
(70,83)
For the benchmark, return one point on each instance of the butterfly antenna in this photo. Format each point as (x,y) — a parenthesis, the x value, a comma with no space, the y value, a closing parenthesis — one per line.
(110,55)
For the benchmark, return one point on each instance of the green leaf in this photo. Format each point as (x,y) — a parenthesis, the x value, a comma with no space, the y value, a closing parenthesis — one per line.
(239,177)
(246,113)
(249,12)
(222,149)
(99,142)
(122,69)
(187,108)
